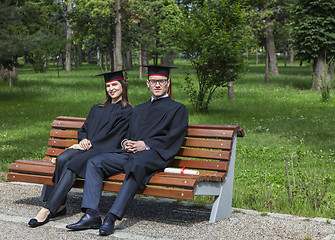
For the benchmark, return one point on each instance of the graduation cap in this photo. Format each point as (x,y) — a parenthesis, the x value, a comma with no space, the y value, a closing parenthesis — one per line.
(155,70)
(112,76)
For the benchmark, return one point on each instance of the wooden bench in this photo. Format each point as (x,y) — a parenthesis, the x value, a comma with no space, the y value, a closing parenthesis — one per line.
(210,149)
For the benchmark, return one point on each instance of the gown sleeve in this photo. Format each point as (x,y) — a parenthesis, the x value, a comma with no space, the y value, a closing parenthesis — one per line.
(83,131)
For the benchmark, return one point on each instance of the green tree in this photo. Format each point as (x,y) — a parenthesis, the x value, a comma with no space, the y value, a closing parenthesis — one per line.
(314,35)
(11,46)
(211,35)
(104,25)
(153,32)
(29,29)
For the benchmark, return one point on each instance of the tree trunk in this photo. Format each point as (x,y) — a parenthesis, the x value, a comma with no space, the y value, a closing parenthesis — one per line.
(106,61)
(266,80)
(68,65)
(318,72)
(140,73)
(290,47)
(231,94)
(143,59)
(80,54)
(285,58)
(111,60)
(118,38)
(272,51)
(129,61)
(291,54)
(256,53)
(11,75)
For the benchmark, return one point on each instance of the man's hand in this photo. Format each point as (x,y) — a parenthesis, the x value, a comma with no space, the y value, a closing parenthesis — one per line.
(134,146)
(85,144)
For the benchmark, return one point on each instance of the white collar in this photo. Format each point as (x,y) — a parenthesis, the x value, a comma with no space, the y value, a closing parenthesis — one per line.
(164,96)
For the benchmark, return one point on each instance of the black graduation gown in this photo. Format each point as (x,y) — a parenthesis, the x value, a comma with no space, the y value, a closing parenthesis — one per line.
(162,125)
(105,127)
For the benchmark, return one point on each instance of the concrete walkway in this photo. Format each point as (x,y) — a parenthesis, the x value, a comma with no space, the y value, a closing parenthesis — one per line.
(150,218)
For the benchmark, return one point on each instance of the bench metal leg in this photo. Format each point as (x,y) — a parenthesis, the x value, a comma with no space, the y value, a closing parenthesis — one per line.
(222,205)
(46,192)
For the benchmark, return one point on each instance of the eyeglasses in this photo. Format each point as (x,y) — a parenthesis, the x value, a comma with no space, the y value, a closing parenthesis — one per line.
(154,82)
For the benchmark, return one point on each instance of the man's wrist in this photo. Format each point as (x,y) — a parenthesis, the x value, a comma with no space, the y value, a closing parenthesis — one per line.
(122,147)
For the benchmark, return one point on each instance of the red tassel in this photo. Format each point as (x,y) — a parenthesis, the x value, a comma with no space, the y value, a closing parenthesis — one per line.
(170,89)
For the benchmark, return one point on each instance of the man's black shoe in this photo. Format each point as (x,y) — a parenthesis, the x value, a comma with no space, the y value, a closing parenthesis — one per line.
(107,227)
(86,222)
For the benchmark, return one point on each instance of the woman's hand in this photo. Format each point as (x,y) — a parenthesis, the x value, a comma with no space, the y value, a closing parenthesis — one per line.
(85,144)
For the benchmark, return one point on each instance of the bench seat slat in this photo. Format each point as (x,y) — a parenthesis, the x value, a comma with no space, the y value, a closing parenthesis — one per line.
(108,186)
(179,163)
(159,179)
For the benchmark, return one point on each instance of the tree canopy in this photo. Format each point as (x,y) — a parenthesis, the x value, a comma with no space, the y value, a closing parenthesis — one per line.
(211,35)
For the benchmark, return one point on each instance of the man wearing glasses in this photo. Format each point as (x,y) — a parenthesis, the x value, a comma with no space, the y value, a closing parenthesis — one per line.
(156,132)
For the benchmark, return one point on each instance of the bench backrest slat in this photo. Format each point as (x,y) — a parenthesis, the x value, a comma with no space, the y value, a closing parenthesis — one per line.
(203,153)
(59,124)
(215,133)
(61,143)
(206,143)
(56,133)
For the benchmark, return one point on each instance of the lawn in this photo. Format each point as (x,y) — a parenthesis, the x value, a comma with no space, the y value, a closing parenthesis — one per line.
(279,118)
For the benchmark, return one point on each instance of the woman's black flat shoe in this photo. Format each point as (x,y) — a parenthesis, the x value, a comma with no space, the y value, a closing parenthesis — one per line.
(58,214)
(34,223)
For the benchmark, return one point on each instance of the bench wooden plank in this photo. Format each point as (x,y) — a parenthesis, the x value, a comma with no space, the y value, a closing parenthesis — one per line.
(160,179)
(61,143)
(194,132)
(197,164)
(54,152)
(76,119)
(202,153)
(186,194)
(205,175)
(56,133)
(206,143)
(59,124)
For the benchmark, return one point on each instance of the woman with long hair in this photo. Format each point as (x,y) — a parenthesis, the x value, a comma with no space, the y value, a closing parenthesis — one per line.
(102,132)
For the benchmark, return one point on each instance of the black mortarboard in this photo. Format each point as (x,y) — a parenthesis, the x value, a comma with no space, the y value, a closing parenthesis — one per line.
(112,76)
(158,70)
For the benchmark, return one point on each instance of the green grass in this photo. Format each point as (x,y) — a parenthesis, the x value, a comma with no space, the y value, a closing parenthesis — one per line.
(275,118)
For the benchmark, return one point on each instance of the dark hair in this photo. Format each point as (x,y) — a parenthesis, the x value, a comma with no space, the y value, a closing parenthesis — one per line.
(124,96)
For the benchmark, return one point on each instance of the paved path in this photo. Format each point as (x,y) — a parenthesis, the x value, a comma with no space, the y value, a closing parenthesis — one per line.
(150,218)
